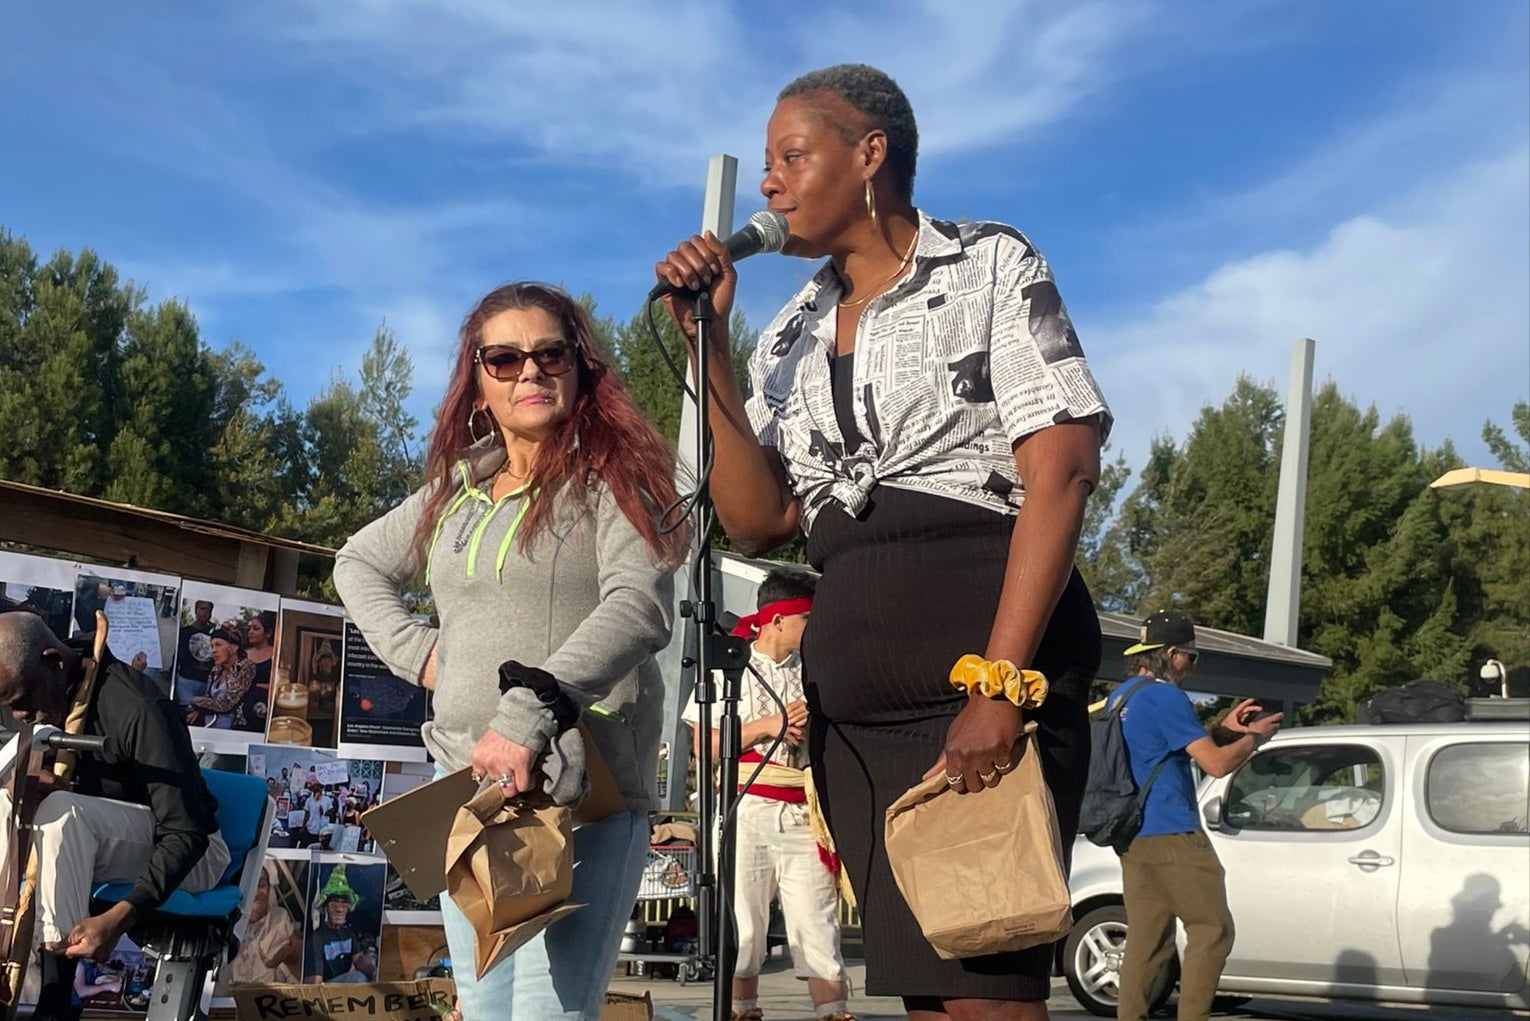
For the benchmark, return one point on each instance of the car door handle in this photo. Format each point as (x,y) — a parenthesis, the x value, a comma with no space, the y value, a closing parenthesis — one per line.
(1370,861)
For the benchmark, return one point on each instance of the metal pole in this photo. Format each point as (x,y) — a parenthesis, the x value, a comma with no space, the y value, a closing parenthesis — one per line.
(717,217)
(1283,600)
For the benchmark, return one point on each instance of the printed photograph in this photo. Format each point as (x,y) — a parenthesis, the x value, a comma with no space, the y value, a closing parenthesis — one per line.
(120,984)
(272,951)
(344,921)
(319,798)
(140,615)
(303,699)
(377,709)
(40,586)
(225,653)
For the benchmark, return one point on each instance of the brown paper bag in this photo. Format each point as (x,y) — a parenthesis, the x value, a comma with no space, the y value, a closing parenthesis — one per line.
(411,829)
(983,873)
(509,868)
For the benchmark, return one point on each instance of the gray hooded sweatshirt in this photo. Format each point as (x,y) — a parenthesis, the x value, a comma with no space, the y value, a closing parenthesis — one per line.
(587,602)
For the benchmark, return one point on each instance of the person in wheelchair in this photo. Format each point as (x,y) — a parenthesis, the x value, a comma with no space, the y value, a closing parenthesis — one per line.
(139,814)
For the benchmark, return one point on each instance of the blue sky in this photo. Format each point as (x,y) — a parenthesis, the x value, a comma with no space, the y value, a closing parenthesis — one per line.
(1210,181)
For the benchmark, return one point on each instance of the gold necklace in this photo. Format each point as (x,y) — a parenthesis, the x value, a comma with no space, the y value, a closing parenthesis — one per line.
(504,470)
(902,265)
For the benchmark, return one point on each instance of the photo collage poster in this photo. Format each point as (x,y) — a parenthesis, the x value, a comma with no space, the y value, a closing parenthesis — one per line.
(140,610)
(271,687)
(304,699)
(225,660)
(40,586)
(380,714)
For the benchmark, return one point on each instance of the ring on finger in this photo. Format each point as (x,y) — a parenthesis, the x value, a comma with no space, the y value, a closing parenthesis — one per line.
(478,777)
(1004,767)
(506,780)
(953,780)
(989,777)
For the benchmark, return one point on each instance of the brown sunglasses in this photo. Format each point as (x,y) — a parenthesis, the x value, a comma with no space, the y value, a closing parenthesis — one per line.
(503,362)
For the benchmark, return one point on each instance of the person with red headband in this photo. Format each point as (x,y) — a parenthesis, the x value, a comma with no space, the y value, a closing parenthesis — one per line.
(779,849)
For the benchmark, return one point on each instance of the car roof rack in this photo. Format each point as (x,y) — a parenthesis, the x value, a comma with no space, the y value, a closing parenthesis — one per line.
(1498,709)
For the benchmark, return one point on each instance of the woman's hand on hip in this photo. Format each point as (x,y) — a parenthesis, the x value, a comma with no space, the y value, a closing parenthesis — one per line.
(980,744)
(503,761)
(699,261)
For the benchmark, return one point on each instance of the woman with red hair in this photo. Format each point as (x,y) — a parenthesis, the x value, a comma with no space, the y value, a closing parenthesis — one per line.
(537,534)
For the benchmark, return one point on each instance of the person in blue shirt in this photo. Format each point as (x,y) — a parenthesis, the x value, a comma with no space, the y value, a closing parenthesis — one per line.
(1171,870)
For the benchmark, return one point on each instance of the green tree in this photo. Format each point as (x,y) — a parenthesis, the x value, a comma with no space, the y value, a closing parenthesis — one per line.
(652,381)
(61,328)
(1398,581)
(1099,561)
(252,459)
(1204,523)
(160,454)
(387,380)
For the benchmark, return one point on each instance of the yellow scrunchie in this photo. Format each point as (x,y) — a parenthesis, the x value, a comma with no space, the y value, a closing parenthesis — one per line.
(977,676)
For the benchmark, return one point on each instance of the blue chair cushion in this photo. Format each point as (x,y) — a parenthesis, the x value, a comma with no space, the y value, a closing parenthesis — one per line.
(242,804)
(219,902)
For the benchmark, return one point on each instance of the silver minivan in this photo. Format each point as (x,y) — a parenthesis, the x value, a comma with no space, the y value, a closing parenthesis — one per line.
(1363,862)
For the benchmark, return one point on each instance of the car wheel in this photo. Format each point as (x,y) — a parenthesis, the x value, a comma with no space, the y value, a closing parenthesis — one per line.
(1092,959)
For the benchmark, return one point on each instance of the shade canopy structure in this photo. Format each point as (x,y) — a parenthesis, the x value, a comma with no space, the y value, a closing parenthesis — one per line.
(150,540)
(1456,478)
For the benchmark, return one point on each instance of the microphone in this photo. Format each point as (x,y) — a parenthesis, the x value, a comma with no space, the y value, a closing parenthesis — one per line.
(765,232)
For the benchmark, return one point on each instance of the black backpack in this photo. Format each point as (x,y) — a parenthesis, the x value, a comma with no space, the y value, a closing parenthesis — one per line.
(1420,701)
(1112,811)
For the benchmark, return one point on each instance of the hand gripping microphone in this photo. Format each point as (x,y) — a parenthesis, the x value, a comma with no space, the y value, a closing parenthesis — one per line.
(765,232)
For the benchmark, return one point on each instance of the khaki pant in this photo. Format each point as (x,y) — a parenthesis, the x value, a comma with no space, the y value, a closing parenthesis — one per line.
(82,842)
(1173,876)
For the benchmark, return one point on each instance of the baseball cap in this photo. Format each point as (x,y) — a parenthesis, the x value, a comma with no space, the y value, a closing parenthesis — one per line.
(1166,627)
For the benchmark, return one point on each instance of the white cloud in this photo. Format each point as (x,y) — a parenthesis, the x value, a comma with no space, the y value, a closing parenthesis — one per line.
(657,87)
(1425,132)
(1421,310)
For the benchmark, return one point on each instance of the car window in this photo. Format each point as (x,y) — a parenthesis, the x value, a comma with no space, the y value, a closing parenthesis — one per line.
(1314,787)
(1480,788)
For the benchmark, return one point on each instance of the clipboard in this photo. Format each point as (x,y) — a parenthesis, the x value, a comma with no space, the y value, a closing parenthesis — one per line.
(411,829)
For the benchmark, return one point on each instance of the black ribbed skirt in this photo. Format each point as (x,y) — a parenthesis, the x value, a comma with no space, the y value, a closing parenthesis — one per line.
(907,590)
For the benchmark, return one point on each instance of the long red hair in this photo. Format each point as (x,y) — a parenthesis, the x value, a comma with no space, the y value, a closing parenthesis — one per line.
(605,439)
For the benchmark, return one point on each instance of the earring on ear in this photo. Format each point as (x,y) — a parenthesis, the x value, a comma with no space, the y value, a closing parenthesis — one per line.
(871,203)
(473,426)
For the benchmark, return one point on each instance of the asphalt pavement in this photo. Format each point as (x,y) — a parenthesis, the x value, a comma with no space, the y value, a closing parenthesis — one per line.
(784,998)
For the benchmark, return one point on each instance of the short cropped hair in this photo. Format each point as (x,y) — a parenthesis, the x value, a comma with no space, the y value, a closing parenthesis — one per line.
(783,584)
(878,99)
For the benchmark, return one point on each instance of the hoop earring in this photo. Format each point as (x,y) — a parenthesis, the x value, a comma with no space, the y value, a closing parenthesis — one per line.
(473,426)
(871,204)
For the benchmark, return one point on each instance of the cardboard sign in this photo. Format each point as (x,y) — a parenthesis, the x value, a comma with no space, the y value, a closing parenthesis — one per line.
(422,1000)
(624,1007)
(333,771)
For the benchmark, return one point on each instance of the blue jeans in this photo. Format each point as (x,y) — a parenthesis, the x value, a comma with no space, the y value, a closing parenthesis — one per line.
(563,971)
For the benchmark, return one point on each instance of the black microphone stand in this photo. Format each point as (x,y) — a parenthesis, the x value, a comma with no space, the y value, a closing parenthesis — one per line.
(708,648)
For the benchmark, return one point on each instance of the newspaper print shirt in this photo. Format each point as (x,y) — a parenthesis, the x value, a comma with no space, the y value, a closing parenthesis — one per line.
(971,352)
